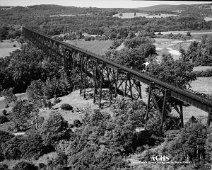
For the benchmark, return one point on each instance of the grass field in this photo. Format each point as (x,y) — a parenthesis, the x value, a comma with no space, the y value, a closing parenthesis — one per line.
(131,15)
(208,18)
(185,32)
(202,68)
(165,46)
(195,34)
(97,47)
(202,84)
(6,47)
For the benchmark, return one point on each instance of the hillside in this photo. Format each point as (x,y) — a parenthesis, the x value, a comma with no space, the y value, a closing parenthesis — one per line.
(164,7)
(203,9)
(46,10)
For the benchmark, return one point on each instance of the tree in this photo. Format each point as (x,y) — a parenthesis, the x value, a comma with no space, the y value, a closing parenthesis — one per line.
(35,91)
(201,52)
(175,72)
(55,129)
(134,54)
(22,165)
(190,143)
(208,146)
(85,151)
(9,96)
(3,167)
(32,146)
(4,32)
(134,58)
(136,42)
(11,148)
(21,114)
(29,146)
(5,136)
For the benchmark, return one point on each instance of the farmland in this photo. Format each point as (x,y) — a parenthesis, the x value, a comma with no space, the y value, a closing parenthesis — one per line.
(132,15)
(97,47)
(196,34)
(165,46)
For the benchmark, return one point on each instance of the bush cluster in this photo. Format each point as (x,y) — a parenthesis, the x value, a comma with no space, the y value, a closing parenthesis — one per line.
(4,112)
(176,36)
(66,106)
(57,100)
(24,166)
(77,123)
(3,167)
(3,119)
(206,73)
(25,147)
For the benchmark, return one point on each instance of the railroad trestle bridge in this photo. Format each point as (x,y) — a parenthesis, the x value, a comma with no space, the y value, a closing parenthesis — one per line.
(117,78)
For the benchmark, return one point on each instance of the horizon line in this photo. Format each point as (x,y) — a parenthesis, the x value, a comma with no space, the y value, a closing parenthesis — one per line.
(130,4)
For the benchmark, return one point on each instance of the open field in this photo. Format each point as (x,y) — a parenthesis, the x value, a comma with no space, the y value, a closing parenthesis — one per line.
(185,32)
(208,18)
(172,43)
(202,84)
(172,46)
(97,47)
(202,68)
(6,47)
(196,34)
(131,15)
(19,96)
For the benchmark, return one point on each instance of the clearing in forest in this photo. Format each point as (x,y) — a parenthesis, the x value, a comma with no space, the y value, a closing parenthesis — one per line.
(6,47)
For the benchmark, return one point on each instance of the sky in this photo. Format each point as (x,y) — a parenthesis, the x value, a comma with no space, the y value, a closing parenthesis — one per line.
(94,3)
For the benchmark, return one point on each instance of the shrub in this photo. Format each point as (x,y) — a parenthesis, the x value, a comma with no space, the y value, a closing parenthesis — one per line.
(57,100)
(30,146)
(3,119)
(159,33)
(3,167)
(87,38)
(5,136)
(66,106)
(1,158)
(70,125)
(11,148)
(4,112)
(77,123)
(9,96)
(42,165)
(33,147)
(206,73)
(49,104)
(188,34)
(24,166)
